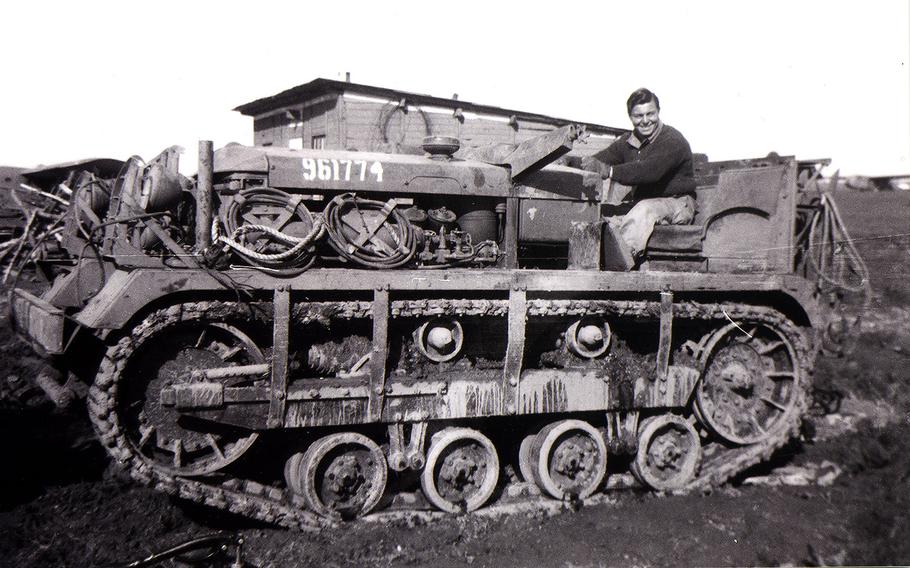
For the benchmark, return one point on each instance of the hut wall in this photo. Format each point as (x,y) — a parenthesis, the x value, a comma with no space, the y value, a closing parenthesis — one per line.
(355,122)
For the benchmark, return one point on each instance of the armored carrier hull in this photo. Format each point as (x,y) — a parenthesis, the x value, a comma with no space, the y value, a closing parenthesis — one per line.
(294,336)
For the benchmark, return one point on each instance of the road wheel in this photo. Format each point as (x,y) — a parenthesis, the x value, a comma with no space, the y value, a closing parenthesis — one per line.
(461,471)
(669,452)
(340,476)
(569,459)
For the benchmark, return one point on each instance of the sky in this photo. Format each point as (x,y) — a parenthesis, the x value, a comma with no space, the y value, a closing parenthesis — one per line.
(815,79)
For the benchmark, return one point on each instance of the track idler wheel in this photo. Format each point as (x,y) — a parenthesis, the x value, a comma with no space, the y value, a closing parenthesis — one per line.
(751,383)
(461,470)
(341,476)
(669,452)
(567,459)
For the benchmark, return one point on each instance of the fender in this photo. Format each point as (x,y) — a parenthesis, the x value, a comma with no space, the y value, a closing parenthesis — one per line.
(127,292)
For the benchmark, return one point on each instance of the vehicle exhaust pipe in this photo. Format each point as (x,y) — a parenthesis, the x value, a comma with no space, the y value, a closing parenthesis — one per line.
(204,195)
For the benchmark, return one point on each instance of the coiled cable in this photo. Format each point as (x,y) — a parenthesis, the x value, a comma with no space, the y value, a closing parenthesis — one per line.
(354,224)
(297,251)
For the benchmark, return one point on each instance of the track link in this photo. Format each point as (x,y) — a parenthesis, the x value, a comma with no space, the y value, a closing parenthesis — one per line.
(277,506)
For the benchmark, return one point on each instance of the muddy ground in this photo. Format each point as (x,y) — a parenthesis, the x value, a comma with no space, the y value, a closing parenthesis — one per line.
(62,505)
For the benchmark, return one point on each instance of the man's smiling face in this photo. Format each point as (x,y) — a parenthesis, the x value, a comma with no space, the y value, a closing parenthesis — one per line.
(645,118)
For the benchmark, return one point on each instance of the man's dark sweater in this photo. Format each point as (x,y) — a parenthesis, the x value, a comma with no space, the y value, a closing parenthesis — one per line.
(661,166)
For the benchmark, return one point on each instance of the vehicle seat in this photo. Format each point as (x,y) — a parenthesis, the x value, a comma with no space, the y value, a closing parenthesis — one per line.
(736,190)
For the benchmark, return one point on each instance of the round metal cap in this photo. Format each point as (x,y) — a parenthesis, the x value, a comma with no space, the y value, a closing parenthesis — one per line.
(440,146)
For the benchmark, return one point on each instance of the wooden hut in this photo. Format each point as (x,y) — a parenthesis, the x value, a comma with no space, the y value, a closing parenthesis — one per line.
(348,116)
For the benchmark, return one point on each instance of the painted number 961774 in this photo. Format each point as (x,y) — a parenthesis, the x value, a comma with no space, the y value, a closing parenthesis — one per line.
(340,170)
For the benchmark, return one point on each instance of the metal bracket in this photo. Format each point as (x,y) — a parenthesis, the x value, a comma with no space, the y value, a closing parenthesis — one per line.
(622,432)
(414,452)
(411,456)
(278,392)
(379,354)
(371,226)
(518,315)
(397,459)
(510,239)
(666,335)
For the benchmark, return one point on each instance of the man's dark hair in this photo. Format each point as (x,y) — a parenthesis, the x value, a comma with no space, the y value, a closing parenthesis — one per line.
(640,97)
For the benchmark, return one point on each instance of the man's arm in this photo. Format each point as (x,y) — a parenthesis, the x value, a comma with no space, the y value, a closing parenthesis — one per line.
(659,162)
(601,161)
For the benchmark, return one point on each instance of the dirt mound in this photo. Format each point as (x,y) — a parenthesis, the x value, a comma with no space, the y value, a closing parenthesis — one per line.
(93,523)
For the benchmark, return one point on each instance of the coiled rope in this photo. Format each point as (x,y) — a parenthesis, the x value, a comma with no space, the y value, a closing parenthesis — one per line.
(297,255)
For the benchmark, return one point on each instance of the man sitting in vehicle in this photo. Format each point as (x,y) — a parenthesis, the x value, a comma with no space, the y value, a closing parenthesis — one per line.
(656,159)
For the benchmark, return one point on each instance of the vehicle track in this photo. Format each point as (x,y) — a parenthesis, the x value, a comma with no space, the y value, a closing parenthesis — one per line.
(278,506)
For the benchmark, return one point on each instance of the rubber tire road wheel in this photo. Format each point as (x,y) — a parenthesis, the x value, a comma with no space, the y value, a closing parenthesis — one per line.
(461,471)
(569,459)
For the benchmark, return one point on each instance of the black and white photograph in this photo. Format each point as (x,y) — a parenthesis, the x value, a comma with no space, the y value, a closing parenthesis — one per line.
(487,284)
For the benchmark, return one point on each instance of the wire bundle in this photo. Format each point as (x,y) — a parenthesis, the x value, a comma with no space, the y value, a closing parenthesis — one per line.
(298,251)
(356,228)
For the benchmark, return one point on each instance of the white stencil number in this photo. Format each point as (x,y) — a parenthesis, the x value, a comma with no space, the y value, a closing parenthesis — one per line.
(325,169)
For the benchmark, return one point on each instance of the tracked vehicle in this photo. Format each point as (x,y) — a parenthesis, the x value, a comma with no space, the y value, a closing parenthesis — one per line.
(297,335)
